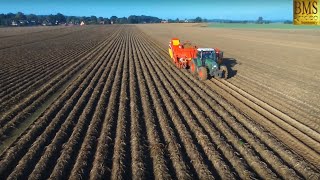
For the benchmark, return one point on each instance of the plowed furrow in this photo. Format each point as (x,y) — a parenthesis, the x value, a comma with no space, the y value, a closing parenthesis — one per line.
(29,71)
(203,140)
(31,60)
(229,152)
(292,108)
(37,78)
(37,63)
(28,31)
(171,138)
(89,105)
(121,166)
(26,41)
(22,89)
(31,159)
(102,162)
(281,80)
(123,110)
(291,141)
(156,145)
(31,76)
(75,151)
(25,108)
(299,130)
(44,123)
(292,158)
(140,156)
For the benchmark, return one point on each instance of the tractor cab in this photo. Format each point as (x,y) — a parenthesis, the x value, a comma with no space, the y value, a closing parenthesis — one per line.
(208,61)
(207,57)
(205,54)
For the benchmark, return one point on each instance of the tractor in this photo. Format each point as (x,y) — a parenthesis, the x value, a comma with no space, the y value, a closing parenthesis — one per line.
(203,62)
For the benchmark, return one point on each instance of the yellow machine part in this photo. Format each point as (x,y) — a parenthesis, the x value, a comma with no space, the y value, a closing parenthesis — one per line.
(170,52)
(176,42)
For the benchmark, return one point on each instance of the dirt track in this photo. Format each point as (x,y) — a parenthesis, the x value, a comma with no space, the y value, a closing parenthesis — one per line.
(128,111)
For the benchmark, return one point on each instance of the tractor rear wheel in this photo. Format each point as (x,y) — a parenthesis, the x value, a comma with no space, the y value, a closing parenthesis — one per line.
(224,71)
(192,68)
(203,73)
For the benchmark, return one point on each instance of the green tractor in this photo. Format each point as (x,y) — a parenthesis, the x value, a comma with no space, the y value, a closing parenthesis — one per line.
(208,63)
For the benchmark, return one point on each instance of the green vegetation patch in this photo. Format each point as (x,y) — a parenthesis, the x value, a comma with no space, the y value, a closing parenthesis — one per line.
(260,26)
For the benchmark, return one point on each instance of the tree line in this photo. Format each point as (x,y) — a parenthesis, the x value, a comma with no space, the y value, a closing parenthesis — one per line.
(260,20)
(21,19)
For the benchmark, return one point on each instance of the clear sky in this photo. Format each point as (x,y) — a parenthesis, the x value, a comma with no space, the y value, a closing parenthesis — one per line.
(210,9)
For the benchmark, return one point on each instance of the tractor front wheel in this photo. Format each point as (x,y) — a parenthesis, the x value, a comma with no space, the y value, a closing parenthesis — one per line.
(224,71)
(192,68)
(203,73)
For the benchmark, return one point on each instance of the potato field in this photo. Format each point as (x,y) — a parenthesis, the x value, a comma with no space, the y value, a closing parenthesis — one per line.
(106,102)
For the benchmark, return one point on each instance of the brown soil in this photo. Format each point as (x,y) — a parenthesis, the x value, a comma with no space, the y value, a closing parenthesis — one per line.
(131,113)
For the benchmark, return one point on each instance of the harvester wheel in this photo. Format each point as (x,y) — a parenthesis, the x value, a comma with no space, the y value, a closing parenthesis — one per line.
(178,65)
(225,71)
(203,73)
(192,68)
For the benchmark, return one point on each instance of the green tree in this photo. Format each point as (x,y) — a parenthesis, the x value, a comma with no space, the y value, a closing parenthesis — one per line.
(260,20)
(10,16)
(20,16)
(170,21)
(51,19)
(287,22)
(32,17)
(107,20)
(2,19)
(122,20)
(133,19)
(41,19)
(198,20)
(71,19)
(114,19)
(93,20)
(83,18)
(60,18)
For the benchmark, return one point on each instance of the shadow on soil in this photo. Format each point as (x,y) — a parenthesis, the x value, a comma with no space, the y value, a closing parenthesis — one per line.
(230,63)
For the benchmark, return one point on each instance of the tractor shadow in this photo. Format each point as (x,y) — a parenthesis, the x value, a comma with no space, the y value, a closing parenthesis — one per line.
(230,63)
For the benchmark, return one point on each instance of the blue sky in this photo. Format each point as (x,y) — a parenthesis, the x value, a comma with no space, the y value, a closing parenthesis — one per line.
(210,9)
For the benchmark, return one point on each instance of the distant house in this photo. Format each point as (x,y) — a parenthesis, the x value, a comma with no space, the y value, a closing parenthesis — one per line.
(71,24)
(164,21)
(186,21)
(33,23)
(82,23)
(111,22)
(102,22)
(20,23)
(23,22)
(46,23)
(14,23)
